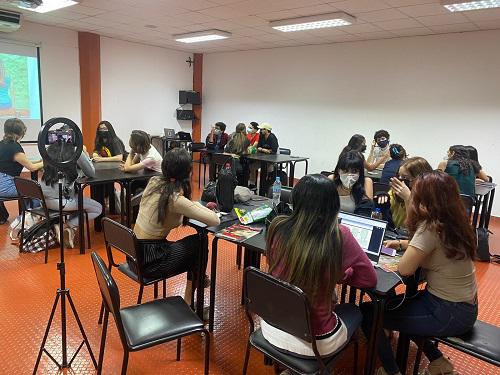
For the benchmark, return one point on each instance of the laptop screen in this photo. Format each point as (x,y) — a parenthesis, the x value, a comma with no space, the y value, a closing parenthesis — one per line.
(367,231)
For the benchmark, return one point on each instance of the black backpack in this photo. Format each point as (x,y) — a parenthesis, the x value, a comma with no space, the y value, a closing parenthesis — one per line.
(224,191)
(483,247)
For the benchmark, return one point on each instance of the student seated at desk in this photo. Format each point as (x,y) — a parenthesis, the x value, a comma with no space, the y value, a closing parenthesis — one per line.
(253,135)
(394,203)
(63,151)
(481,175)
(459,166)
(358,143)
(398,155)
(166,204)
(352,185)
(143,155)
(380,148)
(443,244)
(310,250)
(107,145)
(238,146)
(268,144)
(216,141)
(12,161)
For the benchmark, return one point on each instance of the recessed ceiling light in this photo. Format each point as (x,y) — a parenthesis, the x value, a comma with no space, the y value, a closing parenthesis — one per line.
(50,5)
(463,6)
(202,36)
(313,22)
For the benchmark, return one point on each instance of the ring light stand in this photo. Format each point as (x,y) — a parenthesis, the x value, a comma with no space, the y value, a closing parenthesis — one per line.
(62,293)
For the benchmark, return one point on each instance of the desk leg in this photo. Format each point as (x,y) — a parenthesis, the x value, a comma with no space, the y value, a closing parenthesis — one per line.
(477,206)
(200,295)
(81,226)
(484,210)
(128,202)
(263,179)
(122,204)
(213,276)
(291,178)
(490,207)
(371,348)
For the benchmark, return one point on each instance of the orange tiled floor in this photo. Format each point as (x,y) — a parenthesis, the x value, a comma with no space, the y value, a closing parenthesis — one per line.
(27,293)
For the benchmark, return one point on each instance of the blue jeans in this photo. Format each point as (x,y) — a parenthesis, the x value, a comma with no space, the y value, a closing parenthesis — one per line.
(423,316)
(7,187)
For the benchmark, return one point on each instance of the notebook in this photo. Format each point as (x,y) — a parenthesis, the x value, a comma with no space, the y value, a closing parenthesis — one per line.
(367,231)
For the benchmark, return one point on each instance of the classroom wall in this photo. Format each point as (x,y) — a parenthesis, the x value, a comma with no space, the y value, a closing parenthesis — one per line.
(140,86)
(429,92)
(59,70)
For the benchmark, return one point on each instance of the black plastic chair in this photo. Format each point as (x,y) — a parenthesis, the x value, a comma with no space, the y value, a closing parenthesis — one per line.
(29,189)
(326,173)
(469,203)
(124,240)
(481,342)
(287,308)
(147,325)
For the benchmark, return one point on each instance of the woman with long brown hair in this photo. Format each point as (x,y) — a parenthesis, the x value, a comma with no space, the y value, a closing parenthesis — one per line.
(311,250)
(443,244)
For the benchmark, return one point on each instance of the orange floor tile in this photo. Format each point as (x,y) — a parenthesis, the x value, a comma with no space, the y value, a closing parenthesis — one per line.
(28,288)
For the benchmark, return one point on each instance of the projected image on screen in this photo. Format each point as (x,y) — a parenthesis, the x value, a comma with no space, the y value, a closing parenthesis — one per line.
(19,87)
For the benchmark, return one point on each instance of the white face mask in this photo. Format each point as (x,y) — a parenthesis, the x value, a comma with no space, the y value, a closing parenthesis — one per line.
(349,179)
(217,131)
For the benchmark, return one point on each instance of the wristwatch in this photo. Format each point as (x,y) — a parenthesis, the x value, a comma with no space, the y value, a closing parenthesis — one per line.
(400,247)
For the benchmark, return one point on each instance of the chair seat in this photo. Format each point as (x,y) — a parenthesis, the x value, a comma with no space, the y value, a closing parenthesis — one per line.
(158,321)
(125,269)
(350,316)
(482,341)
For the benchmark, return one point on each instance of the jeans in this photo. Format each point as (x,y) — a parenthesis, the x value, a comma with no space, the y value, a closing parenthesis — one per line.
(425,315)
(7,187)
(92,207)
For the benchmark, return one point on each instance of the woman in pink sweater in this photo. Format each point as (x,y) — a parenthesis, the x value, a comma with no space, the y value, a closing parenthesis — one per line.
(311,250)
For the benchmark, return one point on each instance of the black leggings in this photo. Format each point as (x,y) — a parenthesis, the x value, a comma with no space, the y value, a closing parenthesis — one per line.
(164,259)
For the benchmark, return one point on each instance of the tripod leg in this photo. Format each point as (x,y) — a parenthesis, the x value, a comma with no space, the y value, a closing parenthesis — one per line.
(78,321)
(103,342)
(49,323)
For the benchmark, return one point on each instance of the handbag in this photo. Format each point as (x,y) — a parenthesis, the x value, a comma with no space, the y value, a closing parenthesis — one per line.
(224,190)
(208,194)
(38,241)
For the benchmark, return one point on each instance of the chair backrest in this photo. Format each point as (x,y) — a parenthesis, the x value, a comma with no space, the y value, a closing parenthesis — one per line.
(109,291)
(222,159)
(28,188)
(468,202)
(326,173)
(284,151)
(281,304)
(122,239)
(381,187)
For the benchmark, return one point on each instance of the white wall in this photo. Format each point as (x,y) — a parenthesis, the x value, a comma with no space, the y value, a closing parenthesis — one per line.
(60,70)
(429,92)
(140,86)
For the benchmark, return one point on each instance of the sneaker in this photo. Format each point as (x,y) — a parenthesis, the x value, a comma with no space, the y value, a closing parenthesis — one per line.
(57,229)
(440,366)
(69,238)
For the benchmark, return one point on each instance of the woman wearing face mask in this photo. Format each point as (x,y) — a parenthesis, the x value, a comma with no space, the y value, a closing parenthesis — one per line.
(352,185)
(459,166)
(107,146)
(395,202)
(380,148)
(358,143)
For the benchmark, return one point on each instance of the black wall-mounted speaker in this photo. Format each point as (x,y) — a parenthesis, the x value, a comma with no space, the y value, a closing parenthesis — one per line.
(185,114)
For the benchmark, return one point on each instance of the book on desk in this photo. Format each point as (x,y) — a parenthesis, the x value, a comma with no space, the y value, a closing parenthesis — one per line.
(238,232)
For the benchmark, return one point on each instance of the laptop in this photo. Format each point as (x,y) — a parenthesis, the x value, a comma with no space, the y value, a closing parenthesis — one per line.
(367,231)
(169,133)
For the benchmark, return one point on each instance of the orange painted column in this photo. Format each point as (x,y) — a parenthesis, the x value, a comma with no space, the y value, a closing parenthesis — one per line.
(89,47)
(197,86)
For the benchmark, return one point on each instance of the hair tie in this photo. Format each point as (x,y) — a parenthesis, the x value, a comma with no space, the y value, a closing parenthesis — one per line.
(172,179)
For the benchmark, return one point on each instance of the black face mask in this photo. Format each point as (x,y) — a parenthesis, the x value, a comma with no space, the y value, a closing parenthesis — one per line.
(383,144)
(406,182)
(363,148)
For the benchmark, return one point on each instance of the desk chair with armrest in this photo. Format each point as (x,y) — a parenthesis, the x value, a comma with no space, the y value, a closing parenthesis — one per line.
(29,189)
(287,308)
(144,326)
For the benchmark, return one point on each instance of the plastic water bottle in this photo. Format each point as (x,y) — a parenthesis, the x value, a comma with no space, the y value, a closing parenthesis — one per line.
(377,214)
(276,191)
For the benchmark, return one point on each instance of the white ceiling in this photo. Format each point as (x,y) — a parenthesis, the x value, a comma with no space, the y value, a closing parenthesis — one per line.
(154,21)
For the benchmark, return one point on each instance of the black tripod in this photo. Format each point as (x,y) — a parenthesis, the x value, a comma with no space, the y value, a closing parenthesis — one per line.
(61,295)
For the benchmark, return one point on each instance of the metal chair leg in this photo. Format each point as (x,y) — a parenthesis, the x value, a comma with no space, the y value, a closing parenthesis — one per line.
(418,356)
(164,288)
(247,357)
(141,290)
(47,241)
(207,350)
(88,229)
(125,362)
(103,343)
(356,350)
(239,250)
(21,240)
(155,290)
(179,345)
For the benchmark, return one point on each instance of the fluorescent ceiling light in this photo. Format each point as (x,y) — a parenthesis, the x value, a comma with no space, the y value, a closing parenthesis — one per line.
(463,6)
(202,36)
(50,5)
(313,22)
